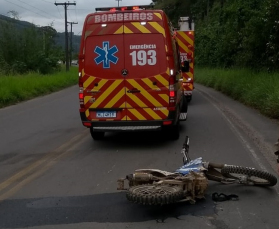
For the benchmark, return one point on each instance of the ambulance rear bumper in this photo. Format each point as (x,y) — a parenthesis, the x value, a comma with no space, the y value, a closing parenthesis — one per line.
(125,128)
(122,126)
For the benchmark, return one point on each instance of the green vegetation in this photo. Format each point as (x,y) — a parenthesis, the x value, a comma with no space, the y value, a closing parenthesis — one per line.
(17,88)
(27,49)
(257,90)
(236,47)
(29,62)
(231,33)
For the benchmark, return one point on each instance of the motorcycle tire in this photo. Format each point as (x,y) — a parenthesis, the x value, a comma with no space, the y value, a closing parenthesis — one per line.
(253,176)
(154,194)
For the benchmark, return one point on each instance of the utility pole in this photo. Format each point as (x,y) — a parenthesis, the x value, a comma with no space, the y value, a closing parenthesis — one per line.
(66,4)
(71,41)
(118,2)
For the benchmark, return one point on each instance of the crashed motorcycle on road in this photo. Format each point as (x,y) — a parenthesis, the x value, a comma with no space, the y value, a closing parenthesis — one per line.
(189,182)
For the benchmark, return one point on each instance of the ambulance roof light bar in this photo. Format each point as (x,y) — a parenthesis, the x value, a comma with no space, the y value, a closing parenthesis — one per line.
(123,8)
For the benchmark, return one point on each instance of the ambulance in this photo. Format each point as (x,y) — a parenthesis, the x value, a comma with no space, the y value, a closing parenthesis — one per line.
(185,39)
(130,75)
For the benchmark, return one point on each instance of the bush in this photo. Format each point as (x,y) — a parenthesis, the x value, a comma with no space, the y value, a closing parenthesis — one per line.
(46,65)
(258,90)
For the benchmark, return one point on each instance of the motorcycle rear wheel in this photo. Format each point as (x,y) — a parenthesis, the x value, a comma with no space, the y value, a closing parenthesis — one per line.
(150,194)
(249,175)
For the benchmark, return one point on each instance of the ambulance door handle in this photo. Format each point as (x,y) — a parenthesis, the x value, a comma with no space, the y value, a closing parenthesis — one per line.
(133,91)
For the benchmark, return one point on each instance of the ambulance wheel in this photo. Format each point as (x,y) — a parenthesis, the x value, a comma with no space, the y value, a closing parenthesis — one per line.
(97,135)
(171,132)
(175,131)
(184,107)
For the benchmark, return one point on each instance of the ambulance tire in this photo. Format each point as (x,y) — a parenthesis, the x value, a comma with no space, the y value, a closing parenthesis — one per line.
(97,135)
(189,98)
(175,131)
(172,132)
(184,107)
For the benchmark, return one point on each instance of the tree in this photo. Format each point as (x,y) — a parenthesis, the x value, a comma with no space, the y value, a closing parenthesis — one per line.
(27,48)
(271,20)
(14,14)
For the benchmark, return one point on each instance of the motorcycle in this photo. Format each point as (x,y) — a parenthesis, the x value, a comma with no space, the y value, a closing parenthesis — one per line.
(189,182)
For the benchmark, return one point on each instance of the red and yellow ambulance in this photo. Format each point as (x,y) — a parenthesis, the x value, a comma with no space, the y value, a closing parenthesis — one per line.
(185,39)
(129,72)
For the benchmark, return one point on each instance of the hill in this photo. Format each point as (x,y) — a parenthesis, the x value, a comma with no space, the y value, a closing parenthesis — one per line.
(59,38)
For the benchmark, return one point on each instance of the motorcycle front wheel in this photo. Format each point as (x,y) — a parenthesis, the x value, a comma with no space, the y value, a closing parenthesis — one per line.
(250,176)
(150,194)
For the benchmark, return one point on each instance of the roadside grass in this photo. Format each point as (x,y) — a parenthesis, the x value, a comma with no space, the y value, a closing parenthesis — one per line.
(17,88)
(257,90)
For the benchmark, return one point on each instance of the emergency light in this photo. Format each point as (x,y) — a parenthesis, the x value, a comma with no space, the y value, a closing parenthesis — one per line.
(124,8)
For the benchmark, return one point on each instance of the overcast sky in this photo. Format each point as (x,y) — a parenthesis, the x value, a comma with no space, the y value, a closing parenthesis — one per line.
(45,12)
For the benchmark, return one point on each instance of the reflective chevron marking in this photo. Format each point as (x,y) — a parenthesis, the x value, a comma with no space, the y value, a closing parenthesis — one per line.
(119,30)
(136,100)
(158,15)
(146,114)
(148,96)
(127,30)
(164,97)
(137,114)
(140,27)
(158,27)
(116,98)
(107,92)
(186,38)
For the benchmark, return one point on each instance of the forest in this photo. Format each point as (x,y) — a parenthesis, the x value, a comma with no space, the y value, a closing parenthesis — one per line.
(231,33)
(25,47)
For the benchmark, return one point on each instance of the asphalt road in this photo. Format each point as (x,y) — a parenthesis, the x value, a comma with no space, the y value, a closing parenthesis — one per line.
(53,175)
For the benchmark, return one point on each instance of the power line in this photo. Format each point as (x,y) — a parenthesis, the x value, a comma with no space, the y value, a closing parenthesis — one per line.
(66,4)
(13,20)
(59,12)
(22,7)
(36,8)
(47,1)
(26,8)
(79,9)
(76,12)
(70,16)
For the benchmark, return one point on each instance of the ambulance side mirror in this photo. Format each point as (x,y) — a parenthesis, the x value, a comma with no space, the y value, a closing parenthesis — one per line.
(185,66)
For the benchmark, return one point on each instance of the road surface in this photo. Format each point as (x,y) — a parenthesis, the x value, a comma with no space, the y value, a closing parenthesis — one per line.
(53,175)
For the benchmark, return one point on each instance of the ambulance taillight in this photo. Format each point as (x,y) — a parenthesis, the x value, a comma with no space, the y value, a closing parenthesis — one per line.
(81,97)
(172,92)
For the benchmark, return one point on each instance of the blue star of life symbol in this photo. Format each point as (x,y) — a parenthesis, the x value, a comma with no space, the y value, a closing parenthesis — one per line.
(106,54)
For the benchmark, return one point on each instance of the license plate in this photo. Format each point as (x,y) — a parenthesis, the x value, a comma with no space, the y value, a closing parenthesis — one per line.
(106,114)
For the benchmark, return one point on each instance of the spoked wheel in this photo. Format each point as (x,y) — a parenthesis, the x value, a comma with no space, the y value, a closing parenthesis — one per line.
(250,176)
(154,194)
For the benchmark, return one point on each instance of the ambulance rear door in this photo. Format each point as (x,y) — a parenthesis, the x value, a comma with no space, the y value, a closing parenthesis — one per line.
(146,69)
(104,86)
